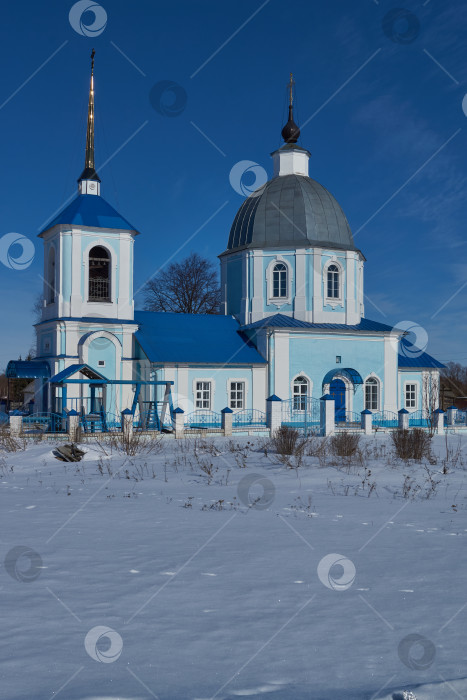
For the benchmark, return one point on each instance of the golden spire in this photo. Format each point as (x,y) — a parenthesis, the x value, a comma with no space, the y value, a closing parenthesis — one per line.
(89,172)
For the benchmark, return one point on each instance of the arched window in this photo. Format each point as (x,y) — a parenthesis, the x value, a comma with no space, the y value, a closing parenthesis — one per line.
(279,281)
(50,291)
(99,274)
(300,393)
(371,394)
(333,282)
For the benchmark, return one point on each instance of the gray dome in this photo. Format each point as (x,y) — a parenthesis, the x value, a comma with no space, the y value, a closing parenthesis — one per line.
(290,211)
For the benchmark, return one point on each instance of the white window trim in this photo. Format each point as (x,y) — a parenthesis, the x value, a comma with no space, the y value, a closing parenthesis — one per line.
(372,375)
(310,383)
(415,383)
(213,389)
(244,381)
(278,301)
(333,301)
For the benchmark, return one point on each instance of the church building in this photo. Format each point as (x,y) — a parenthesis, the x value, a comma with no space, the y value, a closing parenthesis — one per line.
(292,321)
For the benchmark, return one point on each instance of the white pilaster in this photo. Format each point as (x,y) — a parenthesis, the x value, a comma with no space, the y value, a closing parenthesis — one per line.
(281,365)
(300,285)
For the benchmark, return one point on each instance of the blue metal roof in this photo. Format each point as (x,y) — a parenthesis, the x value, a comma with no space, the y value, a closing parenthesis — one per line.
(422,360)
(352,374)
(90,210)
(283,321)
(87,371)
(194,339)
(24,369)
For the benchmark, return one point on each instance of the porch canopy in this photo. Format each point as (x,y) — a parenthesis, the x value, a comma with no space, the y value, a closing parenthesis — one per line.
(351,374)
(27,369)
(88,375)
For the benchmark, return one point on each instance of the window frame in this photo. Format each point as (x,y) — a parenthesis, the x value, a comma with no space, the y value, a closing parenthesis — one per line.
(300,396)
(333,300)
(407,403)
(281,282)
(108,298)
(278,302)
(373,383)
(236,400)
(199,394)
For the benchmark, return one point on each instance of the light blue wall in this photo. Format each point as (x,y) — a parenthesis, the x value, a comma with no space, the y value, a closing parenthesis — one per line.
(220,377)
(410,376)
(316,357)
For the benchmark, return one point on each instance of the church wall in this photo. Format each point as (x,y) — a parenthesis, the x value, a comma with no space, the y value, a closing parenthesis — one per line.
(315,355)
(413,377)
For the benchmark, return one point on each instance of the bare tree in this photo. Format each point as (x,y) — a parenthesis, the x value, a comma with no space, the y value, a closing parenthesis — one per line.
(190,286)
(430,400)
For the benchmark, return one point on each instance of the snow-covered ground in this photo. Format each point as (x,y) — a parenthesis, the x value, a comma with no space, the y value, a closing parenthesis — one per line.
(151,576)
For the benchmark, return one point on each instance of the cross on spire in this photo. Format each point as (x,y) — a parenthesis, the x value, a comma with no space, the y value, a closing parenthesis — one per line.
(89,172)
(291,132)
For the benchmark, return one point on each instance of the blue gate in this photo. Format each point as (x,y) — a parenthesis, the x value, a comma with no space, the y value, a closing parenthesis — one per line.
(301,413)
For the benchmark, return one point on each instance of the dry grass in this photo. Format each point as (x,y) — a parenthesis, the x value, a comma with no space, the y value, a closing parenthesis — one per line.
(412,444)
(344,444)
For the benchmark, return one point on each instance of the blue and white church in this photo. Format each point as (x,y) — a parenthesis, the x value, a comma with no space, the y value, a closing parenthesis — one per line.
(292,321)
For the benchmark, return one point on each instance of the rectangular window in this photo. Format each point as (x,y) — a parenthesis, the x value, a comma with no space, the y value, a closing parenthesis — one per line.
(338,359)
(371,397)
(203,395)
(101,363)
(411,396)
(237,395)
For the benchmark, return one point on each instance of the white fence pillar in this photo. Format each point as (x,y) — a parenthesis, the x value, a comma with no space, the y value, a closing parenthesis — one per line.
(367,421)
(178,422)
(72,421)
(327,415)
(16,425)
(127,424)
(227,420)
(403,419)
(451,415)
(273,413)
(439,420)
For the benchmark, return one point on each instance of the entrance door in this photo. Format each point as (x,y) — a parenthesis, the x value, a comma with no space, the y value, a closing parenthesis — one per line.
(337,391)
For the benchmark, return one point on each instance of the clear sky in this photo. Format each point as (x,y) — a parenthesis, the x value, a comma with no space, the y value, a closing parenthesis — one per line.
(380,101)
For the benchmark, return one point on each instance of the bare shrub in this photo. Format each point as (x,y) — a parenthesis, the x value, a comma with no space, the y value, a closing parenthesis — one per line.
(412,444)
(287,441)
(344,444)
(9,443)
(129,444)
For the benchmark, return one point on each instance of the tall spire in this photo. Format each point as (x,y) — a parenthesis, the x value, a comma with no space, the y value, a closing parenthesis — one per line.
(89,181)
(291,132)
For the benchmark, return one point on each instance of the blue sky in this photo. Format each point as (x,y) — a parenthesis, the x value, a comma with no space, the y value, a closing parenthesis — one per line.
(383,120)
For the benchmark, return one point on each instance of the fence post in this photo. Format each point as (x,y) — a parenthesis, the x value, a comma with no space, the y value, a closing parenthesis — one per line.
(451,415)
(439,420)
(403,419)
(127,424)
(178,422)
(327,415)
(16,424)
(227,420)
(273,413)
(367,421)
(72,422)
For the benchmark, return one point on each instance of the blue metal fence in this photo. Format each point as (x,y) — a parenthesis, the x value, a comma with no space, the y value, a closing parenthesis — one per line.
(203,419)
(419,419)
(302,414)
(44,423)
(385,419)
(350,418)
(249,418)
